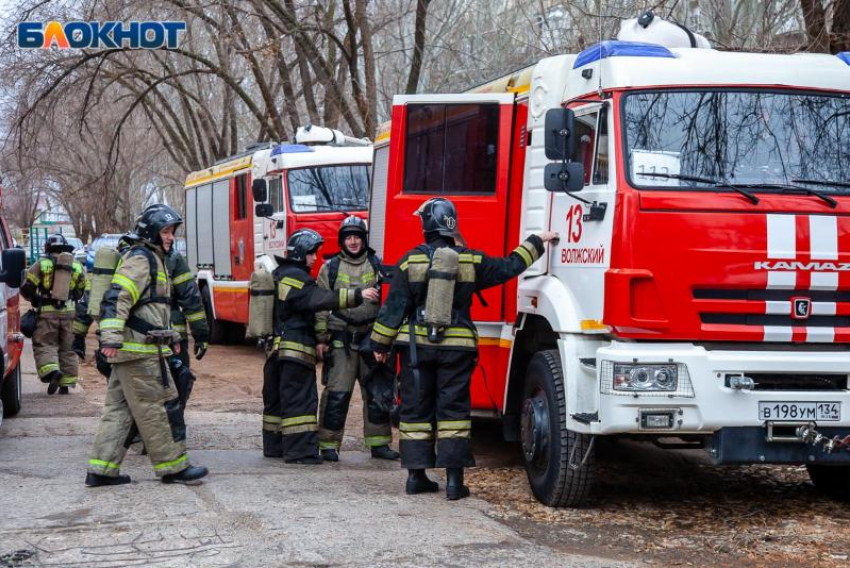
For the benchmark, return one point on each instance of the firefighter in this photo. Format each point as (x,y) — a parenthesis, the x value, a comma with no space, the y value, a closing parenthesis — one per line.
(186,307)
(340,334)
(52,342)
(431,296)
(136,338)
(290,399)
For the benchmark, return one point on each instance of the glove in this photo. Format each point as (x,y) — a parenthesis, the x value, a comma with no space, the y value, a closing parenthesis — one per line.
(200,349)
(79,346)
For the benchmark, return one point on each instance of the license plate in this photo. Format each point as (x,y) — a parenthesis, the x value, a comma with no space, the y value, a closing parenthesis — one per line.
(817,411)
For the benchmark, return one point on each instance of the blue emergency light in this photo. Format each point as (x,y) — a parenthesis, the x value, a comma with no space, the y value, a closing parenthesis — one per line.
(617,48)
(291,149)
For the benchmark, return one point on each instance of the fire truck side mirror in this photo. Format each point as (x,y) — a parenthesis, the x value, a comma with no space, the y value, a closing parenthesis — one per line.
(559,141)
(260,190)
(566,176)
(264,210)
(14,264)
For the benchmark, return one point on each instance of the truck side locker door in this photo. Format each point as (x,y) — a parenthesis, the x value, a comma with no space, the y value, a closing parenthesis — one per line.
(241,229)
(457,147)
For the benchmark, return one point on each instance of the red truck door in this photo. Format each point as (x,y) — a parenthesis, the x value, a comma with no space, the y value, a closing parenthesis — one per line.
(457,147)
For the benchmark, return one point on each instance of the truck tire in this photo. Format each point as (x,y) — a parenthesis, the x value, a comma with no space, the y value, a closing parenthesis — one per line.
(831,480)
(218,328)
(546,441)
(11,393)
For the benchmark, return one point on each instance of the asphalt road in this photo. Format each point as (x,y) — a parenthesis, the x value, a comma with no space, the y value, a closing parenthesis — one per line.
(251,511)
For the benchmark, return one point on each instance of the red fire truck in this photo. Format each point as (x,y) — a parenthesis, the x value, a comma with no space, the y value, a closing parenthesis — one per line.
(700,292)
(240,212)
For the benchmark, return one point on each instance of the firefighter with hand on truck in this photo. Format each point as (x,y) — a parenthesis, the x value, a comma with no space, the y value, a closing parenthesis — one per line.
(341,334)
(54,282)
(290,399)
(427,314)
(136,338)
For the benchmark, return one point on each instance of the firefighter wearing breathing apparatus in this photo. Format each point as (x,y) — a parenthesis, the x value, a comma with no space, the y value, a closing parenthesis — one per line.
(290,428)
(136,339)
(53,284)
(341,334)
(186,309)
(430,299)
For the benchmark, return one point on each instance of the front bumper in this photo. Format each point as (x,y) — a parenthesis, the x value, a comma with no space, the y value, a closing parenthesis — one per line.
(713,406)
(736,446)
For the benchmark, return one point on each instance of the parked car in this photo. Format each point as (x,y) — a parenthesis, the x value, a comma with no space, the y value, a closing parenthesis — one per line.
(104,240)
(79,249)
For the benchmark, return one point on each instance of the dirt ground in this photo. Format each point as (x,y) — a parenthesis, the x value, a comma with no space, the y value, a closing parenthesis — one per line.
(649,505)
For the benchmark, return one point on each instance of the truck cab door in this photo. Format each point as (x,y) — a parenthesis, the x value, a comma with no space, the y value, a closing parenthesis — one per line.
(583,253)
(457,147)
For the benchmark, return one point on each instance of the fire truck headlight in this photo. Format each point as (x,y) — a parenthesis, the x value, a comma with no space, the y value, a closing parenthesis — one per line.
(642,378)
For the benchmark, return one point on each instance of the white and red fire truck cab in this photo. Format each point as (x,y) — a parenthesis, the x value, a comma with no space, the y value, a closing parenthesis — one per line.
(700,291)
(234,225)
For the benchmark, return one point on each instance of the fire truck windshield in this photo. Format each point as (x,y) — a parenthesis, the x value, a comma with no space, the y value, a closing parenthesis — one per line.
(328,188)
(766,140)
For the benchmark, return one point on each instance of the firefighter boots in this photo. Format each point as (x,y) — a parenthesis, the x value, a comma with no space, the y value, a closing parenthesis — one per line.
(418,482)
(190,476)
(455,489)
(95,480)
(64,390)
(384,453)
(330,455)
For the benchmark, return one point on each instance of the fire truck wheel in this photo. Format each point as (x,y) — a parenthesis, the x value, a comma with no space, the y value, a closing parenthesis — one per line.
(547,444)
(11,393)
(831,480)
(218,328)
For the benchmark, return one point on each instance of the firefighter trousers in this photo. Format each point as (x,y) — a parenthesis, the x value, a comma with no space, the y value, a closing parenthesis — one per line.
(340,370)
(135,392)
(52,347)
(439,412)
(290,401)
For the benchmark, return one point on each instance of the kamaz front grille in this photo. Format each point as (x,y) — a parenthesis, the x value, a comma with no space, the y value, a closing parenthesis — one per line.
(771,295)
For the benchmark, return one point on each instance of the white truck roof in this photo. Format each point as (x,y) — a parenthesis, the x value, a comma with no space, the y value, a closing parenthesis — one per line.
(291,156)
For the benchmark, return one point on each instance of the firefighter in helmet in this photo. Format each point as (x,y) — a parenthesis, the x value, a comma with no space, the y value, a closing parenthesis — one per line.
(54,282)
(136,338)
(290,428)
(340,334)
(427,315)
(186,310)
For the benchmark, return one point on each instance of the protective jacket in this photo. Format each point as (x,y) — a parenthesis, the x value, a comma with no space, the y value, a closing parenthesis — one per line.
(349,274)
(298,300)
(36,288)
(138,300)
(409,289)
(186,303)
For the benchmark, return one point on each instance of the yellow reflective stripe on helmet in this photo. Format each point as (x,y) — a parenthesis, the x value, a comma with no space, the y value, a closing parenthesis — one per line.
(106,464)
(292,282)
(196,316)
(172,463)
(112,323)
(180,279)
(297,420)
(128,285)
